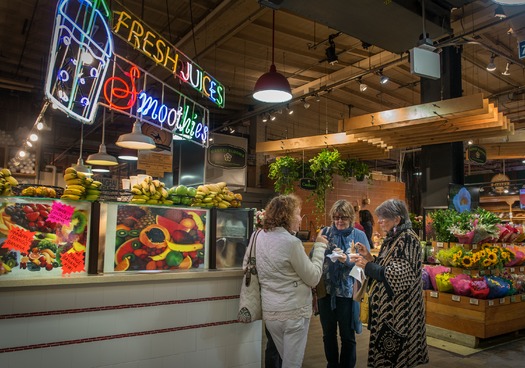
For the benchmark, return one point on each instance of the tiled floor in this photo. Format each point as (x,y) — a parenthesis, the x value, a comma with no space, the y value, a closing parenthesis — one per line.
(504,355)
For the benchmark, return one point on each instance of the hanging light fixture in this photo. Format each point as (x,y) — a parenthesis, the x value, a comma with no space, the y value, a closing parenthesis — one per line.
(499,13)
(383,79)
(102,157)
(362,86)
(289,110)
(79,166)
(135,139)
(128,155)
(510,2)
(491,66)
(506,72)
(272,86)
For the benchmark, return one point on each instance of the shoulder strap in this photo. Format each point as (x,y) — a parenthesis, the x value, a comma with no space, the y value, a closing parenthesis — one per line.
(253,244)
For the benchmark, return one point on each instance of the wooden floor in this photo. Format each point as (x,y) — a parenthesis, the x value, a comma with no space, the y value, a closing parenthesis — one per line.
(505,355)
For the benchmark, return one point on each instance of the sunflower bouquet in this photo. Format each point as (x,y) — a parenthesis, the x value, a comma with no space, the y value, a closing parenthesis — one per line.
(493,256)
(451,257)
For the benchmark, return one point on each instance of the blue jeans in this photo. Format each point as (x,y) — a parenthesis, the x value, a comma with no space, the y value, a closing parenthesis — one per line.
(330,319)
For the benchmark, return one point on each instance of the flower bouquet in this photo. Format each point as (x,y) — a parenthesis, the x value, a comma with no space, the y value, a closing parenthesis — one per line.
(479,288)
(517,257)
(507,233)
(498,287)
(258,221)
(450,257)
(461,284)
(433,271)
(443,282)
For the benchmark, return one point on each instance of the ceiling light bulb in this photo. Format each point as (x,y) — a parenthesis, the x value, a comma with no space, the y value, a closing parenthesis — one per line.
(40,125)
(272,117)
(384,79)
(21,153)
(499,13)
(470,142)
(33,137)
(362,87)
(265,118)
(29,144)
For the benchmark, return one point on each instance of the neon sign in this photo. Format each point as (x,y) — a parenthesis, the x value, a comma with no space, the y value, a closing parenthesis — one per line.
(81,49)
(135,32)
(172,111)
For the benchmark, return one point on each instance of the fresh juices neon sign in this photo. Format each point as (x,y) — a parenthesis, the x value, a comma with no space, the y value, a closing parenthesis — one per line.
(173,111)
(131,29)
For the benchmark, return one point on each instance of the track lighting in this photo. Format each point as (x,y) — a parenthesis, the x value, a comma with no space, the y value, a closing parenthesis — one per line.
(506,72)
(33,137)
(331,55)
(491,66)
(264,118)
(383,79)
(305,103)
(272,117)
(317,98)
(499,13)
(289,110)
(362,86)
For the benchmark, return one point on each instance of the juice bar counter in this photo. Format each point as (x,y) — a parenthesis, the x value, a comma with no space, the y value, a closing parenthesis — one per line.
(140,316)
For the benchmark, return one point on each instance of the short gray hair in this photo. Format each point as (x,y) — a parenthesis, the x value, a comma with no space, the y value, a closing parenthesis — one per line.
(391,208)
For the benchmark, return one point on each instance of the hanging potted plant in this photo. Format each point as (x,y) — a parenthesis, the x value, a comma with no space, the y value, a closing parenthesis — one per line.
(360,170)
(323,166)
(285,172)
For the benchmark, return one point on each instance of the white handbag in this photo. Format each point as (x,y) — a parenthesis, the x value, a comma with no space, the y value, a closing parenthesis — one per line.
(250,307)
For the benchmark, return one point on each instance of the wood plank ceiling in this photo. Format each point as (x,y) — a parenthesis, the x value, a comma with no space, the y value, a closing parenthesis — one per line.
(232,39)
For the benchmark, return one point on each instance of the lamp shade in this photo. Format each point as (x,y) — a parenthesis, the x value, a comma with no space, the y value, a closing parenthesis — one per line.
(80,167)
(135,139)
(272,87)
(102,157)
(128,155)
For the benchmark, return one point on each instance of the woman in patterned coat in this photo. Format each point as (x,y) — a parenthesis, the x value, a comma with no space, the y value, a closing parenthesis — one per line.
(397,312)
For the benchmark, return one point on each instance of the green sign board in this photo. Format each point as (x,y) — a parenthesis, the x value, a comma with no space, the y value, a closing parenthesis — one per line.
(476,154)
(227,156)
(308,184)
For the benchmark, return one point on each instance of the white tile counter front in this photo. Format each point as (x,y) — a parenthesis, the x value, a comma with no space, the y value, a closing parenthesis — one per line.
(127,320)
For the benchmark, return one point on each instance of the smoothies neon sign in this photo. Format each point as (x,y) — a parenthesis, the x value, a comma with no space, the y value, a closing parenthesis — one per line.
(81,49)
(139,94)
(135,32)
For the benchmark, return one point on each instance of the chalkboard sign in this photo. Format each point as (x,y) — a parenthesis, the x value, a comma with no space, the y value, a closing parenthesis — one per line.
(308,184)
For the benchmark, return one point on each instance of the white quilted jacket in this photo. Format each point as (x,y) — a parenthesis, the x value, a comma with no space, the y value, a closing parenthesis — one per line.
(286,274)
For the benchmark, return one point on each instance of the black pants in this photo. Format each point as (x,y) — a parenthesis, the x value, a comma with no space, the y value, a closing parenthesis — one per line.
(272,359)
(330,319)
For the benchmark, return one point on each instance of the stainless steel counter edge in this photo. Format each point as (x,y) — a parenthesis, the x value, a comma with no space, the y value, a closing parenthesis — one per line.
(110,278)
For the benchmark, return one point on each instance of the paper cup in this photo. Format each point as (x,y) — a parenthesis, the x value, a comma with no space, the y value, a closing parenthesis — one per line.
(126,183)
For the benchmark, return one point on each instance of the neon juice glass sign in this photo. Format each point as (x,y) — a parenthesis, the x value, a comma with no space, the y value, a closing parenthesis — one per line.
(81,48)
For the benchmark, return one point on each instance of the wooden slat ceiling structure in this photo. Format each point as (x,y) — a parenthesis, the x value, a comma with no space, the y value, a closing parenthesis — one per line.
(372,136)
(232,39)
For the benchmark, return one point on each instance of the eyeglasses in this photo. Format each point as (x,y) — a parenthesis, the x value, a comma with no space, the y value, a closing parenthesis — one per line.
(337,218)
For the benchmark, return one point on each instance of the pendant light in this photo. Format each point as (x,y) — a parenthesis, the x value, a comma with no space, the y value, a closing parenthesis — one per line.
(272,87)
(128,155)
(102,157)
(135,139)
(79,166)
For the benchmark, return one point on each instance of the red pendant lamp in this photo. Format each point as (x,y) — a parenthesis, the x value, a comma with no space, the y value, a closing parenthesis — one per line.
(272,87)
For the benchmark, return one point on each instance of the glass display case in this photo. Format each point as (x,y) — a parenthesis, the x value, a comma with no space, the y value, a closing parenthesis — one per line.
(230,233)
(43,237)
(149,238)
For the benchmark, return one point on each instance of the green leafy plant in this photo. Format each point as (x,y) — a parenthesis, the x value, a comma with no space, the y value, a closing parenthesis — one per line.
(442,220)
(324,166)
(354,168)
(285,172)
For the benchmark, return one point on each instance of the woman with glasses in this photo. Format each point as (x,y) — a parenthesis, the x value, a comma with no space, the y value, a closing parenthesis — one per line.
(396,308)
(337,308)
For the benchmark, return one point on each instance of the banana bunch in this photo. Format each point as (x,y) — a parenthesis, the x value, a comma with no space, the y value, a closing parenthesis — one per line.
(216,195)
(7,182)
(79,186)
(150,192)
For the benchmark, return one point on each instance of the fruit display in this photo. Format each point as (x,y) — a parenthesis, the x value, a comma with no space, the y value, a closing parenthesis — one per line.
(38,191)
(80,187)
(156,239)
(182,194)
(216,195)
(7,182)
(150,191)
(50,241)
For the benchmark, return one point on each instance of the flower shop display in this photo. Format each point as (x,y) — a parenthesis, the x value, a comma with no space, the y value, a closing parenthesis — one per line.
(443,282)
(461,284)
(259,217)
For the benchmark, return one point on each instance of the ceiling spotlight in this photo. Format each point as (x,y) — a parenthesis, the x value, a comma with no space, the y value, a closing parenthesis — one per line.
(317,98)
(232,130)
(290,110)
(29,144)
(499,13)
(491,66)
(383,79)
(305,103)
(33,137)
(265,118)
(506,72)
(21,153)
(362,86)
(40,125)
(470,142)
(272,117)
(331,55)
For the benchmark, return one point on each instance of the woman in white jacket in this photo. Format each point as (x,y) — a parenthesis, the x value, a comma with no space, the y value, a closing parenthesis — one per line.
(286,276)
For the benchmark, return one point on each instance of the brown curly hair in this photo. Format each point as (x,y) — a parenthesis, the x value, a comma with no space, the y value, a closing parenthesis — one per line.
(280,211)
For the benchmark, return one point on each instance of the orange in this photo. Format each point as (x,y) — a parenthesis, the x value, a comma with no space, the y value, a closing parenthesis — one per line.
(122,266)
(186,263)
